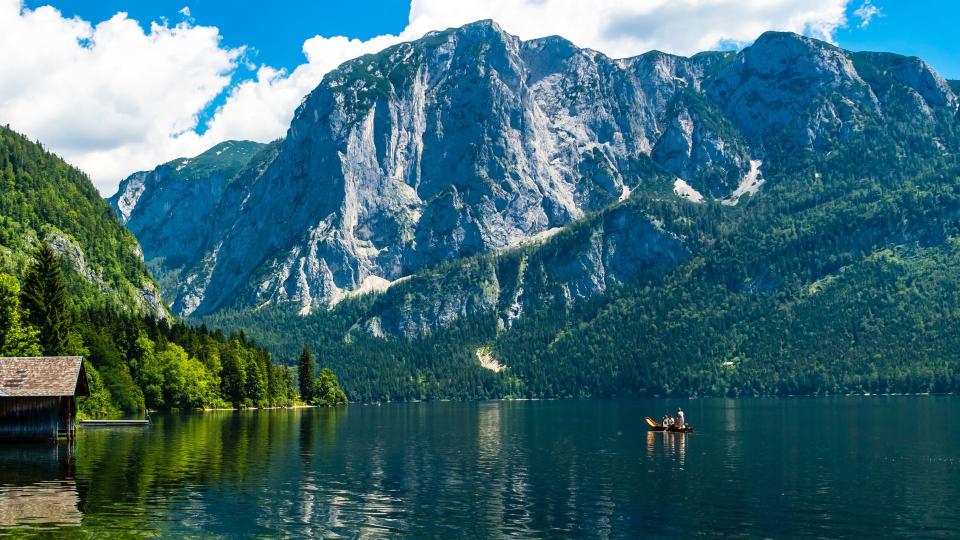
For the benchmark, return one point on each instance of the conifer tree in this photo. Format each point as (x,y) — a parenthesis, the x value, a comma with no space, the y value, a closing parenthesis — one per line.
(306,375)
(44,298)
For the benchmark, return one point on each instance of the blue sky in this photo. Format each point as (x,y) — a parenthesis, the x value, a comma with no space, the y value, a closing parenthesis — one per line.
(275,30)
(927,29)
(114,94)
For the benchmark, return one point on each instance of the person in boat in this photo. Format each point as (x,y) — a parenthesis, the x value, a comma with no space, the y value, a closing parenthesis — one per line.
(681,422)
(666,419)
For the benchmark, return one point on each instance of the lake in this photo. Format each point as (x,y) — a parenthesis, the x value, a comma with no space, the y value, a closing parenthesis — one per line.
(780,468)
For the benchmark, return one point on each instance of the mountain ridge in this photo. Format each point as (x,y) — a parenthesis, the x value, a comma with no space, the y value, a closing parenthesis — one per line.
(395,179)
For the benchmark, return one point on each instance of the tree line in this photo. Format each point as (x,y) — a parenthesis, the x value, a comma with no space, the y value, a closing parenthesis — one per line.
(134,362)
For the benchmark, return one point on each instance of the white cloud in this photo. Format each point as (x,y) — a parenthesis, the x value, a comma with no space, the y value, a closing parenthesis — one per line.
(622,28)
(113,99)
(866,12)
(185,11)
(110,98)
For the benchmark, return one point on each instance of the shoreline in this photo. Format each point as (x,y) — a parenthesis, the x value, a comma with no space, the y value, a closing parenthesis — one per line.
(657,397)
(257,408)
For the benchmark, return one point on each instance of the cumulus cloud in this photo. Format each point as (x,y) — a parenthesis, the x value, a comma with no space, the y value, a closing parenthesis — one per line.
(623,28)
(866,12)
(113,98)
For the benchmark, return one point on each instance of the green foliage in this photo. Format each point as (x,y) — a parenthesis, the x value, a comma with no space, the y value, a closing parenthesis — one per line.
(161,364)
(44,298)
(88,304)
(234,378)
(840,276)
(17,337)
(327,391)
(226,159)
(99,404)
(42,197)
(306,375)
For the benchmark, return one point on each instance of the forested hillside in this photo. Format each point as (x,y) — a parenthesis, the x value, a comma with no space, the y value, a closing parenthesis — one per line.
(42,197)
(73,282)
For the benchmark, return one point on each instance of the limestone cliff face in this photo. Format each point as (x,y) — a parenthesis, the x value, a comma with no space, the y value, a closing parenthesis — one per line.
(617,246)
(170,207)
(470,141)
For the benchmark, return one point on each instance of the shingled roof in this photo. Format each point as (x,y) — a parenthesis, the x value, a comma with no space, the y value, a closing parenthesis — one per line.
(46,376)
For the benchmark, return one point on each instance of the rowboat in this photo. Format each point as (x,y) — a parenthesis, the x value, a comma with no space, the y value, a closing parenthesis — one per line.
(657,426)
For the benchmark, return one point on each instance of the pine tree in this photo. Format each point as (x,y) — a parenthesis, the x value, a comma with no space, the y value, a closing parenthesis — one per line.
(44,298)
(255,388)
(306,375)
(233,379)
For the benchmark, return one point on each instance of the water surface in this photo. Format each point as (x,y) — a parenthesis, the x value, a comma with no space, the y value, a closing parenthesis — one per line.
(755,468)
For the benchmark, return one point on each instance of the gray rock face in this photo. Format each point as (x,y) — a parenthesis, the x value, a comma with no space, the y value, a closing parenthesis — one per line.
(785,84)
(618,246)
(469,141)
(906,86)
(168,209)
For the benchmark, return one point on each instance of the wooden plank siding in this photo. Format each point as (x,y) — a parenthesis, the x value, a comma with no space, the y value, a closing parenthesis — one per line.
(29,418)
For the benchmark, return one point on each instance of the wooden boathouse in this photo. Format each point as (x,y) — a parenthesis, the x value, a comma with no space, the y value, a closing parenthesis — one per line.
(38,396)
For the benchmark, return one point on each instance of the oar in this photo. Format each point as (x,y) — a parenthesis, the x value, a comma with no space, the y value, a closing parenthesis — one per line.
(652,422)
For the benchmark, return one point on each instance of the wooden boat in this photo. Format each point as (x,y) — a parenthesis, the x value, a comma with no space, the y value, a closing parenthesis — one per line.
(657,426)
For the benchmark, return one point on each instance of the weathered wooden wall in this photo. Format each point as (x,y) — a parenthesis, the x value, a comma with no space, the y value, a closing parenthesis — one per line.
(26,418)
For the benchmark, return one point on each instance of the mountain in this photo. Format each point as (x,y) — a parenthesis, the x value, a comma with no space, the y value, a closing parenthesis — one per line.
(170,208)
(44,198)
(464,142)
(537,219)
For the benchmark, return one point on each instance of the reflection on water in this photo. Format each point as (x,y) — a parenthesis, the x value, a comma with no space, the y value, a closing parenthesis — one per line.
(673,446)
(41,503)
(581,469)
(37,489)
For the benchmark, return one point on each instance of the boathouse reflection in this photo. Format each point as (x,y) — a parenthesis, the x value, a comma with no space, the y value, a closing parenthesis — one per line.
(38,486)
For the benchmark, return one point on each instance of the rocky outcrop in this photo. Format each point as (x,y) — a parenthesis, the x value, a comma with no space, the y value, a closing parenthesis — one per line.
(620,245)
(795,87)
(169,209)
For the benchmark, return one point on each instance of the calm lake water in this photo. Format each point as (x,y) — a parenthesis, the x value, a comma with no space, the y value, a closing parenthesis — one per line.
(755,468)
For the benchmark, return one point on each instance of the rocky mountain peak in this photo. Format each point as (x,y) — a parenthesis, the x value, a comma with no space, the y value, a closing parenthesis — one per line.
(471,140)
(794,86)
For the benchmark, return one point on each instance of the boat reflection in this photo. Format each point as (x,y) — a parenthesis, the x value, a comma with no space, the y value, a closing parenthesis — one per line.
(673,445)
